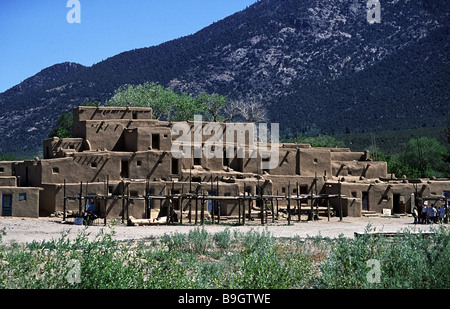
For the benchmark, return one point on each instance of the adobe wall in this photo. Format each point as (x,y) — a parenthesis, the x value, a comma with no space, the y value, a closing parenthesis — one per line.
(366,169)
(83,113)
(98,166)
(315,161)
(56,147)
(27,205)
(8,168)
(8,181)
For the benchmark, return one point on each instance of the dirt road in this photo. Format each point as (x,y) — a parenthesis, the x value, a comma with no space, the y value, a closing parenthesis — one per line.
(25,230)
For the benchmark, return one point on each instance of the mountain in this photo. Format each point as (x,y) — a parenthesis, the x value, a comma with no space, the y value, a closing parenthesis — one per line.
(318,66)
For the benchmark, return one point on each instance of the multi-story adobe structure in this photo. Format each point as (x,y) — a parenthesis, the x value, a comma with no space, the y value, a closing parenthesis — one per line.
(118,157)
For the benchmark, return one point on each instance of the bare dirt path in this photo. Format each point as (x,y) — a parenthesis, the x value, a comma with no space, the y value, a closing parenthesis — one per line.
(25,230)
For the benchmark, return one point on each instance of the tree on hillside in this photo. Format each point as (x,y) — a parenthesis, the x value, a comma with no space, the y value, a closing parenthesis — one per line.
(213,104)
(423,157)
(160,99)
(63,126)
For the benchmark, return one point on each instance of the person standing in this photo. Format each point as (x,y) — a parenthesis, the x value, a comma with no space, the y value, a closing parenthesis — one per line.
(442,213)
(423,214)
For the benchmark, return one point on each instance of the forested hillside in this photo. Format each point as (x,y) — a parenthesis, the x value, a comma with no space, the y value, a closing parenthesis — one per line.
(317,66)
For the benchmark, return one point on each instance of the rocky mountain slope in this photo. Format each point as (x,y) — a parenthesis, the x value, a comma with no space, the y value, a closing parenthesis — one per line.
(318,65)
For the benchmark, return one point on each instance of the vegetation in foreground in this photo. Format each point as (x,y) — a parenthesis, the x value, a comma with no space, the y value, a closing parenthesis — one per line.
(229,259)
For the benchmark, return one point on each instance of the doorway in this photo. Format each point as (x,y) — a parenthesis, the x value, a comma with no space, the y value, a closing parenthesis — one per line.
(365,200)
(155,141)
(6,205)
(124,169)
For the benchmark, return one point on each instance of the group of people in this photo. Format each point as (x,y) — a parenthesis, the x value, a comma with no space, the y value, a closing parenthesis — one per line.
(426,214)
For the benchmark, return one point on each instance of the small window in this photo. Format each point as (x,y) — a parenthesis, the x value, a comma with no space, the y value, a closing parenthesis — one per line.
(22,196)
(94,164)
(139,163)
(316,160)
(2,169)
(197,161)
(55,170)
(353,193)
(283,190)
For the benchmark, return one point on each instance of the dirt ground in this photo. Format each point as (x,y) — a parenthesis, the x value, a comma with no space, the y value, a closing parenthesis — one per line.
(25,230)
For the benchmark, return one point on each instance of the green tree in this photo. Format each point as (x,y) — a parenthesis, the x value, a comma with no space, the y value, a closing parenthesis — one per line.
(161,100)
(212,104)
(423,157)
(63,126)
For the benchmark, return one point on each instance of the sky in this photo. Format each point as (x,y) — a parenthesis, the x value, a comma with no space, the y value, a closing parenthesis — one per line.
(36,34)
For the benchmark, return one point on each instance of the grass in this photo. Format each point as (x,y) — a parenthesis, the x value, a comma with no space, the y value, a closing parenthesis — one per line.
(228,259)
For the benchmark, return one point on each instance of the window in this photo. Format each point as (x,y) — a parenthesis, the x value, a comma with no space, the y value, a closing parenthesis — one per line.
(94,164)
(155,141)
(139,163)
(55,170)
(2,169)
(316,160)
(353,193)
(22,196)
(283,190)
(174,166)
(197,161)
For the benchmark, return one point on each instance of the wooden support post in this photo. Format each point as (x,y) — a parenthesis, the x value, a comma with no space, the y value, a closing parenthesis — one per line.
(128,202)
(106,200)
(328,208)
(249,207)
(196,208)
(180,204)
(218,202)
(340,200)
(190,208)
(123,201)
(202,210)
(298,204)
(289,203)
(277,205)
(81,199)
(64,206)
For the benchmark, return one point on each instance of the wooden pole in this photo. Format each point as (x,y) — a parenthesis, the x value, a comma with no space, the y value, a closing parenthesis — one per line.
(202,210)
(64,207)
(289,203)
(340,200)
(123,201)
(298,203)
(277,205)
(81,199)
(328,208)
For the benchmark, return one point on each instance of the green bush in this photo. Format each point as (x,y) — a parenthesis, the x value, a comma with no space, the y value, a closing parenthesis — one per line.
(252,260)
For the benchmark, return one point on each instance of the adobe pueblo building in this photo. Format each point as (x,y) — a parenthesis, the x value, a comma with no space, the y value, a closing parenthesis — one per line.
(122,161)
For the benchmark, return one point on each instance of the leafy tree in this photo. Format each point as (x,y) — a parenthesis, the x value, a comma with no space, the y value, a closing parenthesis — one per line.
(160,99)
(63,126)
(186,107)
(423,157)
(213,104)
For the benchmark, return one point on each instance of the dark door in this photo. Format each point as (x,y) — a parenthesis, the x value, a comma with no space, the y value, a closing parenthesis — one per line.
(396,204)
(6,205)
(365,201)
(124,169)
(155,141)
